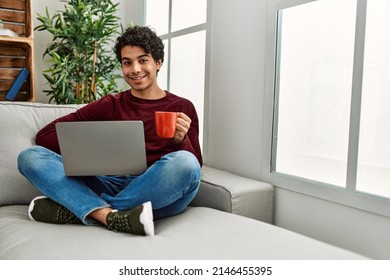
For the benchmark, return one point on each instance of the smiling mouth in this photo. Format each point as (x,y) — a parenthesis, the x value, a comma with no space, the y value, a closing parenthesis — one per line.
(136,78)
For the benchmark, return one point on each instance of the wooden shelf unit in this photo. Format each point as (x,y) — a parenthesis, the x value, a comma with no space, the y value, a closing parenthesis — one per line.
(17,53)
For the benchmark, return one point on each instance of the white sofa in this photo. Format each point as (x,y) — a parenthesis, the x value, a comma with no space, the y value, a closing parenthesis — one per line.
(230,217)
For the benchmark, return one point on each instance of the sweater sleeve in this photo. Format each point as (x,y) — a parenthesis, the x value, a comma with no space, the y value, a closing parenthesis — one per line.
(192,145)
(191,142)
(47,136)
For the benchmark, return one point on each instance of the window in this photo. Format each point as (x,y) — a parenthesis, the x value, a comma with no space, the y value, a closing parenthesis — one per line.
(182,24)
(374,141)
(330,89)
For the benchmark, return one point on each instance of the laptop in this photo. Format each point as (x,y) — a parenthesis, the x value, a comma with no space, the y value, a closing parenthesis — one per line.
(102,147)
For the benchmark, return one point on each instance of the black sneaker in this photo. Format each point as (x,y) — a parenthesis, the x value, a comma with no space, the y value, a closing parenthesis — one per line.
(43,209)
(138,220)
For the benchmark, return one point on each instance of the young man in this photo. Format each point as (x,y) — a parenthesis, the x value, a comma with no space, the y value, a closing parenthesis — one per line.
(122,203)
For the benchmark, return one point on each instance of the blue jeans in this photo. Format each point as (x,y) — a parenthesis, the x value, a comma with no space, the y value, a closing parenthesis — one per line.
(170,184)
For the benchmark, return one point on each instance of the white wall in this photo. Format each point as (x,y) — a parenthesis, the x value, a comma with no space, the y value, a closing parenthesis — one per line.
(236,86)
(130,11)
(234,133)
(336,224)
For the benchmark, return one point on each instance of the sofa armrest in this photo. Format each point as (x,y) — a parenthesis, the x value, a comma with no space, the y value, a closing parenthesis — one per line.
(235,194)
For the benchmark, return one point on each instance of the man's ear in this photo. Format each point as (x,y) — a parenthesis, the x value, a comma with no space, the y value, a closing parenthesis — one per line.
(159,64)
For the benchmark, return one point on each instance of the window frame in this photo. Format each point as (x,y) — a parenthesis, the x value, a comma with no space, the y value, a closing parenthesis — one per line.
(182,32)
(347,196)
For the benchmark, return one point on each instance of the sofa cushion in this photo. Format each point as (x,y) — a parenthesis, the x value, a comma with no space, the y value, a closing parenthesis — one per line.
(232,193)
(198,233)
(19,122)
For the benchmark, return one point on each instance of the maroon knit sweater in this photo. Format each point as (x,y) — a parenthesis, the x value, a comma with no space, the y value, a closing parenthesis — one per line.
(125,106)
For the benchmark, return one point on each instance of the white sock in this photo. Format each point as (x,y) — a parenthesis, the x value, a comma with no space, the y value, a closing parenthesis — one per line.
(146,218)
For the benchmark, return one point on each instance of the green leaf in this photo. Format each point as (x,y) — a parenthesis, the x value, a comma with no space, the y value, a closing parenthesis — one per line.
(70,55)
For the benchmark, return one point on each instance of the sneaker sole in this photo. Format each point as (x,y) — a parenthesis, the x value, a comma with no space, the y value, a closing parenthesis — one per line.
(31,206)
(146,218)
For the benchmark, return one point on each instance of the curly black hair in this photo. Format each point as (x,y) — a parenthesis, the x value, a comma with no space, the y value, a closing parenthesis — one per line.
(143,37)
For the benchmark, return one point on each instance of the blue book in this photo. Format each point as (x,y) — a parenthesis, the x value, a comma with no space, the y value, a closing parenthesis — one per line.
(13,91)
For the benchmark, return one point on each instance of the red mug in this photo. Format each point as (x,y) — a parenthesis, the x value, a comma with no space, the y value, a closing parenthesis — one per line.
(165,123)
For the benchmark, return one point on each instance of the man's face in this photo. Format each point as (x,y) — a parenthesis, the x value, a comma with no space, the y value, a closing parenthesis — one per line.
(139,69)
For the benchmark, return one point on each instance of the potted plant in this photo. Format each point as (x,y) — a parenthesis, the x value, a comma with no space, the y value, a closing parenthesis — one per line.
(83,66)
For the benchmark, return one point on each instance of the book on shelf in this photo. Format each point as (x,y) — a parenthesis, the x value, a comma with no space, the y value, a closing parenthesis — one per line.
(7,32)
(17,84)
